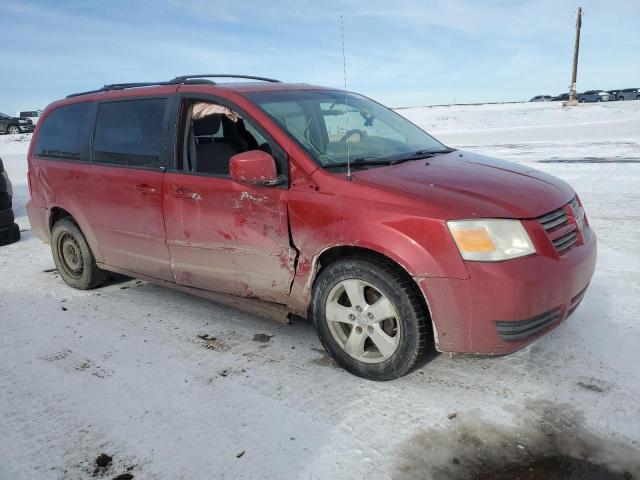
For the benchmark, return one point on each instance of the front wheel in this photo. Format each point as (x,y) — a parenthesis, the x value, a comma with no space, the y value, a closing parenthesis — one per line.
(370,317)
(13,130)
(73,257)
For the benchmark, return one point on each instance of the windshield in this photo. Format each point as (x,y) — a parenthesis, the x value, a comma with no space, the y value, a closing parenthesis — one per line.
(334,125)
(2,115)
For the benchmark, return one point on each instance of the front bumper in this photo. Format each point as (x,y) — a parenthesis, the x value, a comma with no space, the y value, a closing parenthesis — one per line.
(504,306)
(26,128)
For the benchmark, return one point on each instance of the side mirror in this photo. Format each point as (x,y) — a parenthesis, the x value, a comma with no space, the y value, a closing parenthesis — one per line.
(254,166)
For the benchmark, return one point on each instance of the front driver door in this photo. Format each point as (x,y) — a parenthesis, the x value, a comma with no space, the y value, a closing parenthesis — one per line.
(223,235)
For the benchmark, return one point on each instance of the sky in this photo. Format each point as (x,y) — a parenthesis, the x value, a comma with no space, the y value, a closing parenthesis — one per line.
(399,52)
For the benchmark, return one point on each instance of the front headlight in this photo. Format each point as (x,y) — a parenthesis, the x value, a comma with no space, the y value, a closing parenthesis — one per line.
(490,240)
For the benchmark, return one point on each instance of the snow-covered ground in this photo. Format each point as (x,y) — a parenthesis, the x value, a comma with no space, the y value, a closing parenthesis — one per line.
(173,386)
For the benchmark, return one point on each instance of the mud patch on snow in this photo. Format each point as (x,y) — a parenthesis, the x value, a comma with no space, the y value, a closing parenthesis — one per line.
(124,476)
(549,442)
(71,361)
(104,466)
(324,359)
(212,343)
(262,338)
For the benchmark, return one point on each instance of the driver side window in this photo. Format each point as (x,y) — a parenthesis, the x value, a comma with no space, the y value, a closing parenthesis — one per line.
(213,133)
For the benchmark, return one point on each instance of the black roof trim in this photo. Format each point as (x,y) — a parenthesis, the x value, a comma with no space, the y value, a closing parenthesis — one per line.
(200,79)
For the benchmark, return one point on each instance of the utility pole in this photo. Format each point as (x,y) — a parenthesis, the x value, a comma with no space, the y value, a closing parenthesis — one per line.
(573,99)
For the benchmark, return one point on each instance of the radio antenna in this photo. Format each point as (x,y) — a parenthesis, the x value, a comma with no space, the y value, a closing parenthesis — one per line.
(346,103)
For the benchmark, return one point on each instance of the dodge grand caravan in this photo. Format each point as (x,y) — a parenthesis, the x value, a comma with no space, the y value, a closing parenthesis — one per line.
(305,200)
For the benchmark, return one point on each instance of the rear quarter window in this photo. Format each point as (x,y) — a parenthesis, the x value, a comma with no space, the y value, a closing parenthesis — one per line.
(64,131)
(130,132)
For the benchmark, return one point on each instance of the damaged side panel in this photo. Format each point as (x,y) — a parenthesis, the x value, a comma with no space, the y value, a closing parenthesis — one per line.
(229,237)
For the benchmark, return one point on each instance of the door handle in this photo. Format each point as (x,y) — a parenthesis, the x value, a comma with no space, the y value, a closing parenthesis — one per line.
(185,193)
(146,189)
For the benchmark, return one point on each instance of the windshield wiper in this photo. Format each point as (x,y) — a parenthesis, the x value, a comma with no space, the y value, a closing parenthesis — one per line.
(420,154)
(362,161)
(417,155)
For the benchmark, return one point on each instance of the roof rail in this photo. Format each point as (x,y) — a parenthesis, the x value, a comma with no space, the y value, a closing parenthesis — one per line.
(184,79)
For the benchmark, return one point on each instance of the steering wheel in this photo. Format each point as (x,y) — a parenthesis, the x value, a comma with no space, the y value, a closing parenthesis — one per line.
(351,132)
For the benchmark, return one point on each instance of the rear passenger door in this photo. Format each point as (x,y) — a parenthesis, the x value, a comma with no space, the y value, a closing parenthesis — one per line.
(120,189)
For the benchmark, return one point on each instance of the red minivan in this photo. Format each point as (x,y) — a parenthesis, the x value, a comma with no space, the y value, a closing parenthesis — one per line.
(296,199)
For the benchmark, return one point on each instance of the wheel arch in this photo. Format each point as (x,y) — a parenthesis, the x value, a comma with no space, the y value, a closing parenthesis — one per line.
(336,253)
(57,212)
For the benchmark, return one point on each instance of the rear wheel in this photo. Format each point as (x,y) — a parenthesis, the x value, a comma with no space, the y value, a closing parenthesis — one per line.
(13,129)
(73,257)
(620,99)
(638,97)
(583,100)
(370,317)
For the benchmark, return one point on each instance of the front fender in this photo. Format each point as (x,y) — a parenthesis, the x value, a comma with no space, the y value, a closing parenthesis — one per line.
(422,246)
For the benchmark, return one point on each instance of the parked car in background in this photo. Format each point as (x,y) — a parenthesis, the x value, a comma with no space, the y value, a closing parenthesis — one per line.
(541,98)
(628,94)
(264,192)
(32,115)
(595,96)
(615,94)
(15,125)
(563,97)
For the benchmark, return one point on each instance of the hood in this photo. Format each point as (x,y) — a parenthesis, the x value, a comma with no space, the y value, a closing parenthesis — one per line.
(474,185)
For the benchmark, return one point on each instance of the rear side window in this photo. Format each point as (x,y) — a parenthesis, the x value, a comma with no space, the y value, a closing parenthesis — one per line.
(130,132)
(63,133)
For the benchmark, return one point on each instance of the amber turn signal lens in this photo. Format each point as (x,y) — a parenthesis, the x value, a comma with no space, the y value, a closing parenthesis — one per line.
(473,240)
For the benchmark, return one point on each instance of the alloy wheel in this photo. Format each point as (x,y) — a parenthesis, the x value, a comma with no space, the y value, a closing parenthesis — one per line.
(363,321)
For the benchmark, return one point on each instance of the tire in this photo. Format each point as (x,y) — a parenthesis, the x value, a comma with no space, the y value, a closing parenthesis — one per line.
(598,100)
(5,200)
(583,100)
(637,97)
(10,234)
(73,257)
(6,217)
(404,334)
(620,99)
(13,130)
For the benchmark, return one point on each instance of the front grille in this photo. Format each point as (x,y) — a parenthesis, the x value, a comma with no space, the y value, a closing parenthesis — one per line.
(562,232)
(522,329)
(575,301)
(554,219)
(565,242)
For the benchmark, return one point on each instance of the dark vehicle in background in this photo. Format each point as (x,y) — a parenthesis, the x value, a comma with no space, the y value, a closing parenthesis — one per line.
(615,94)
(628,94)
(9,230)
(563,97)
(541,98)
(595,96)
(15,125)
